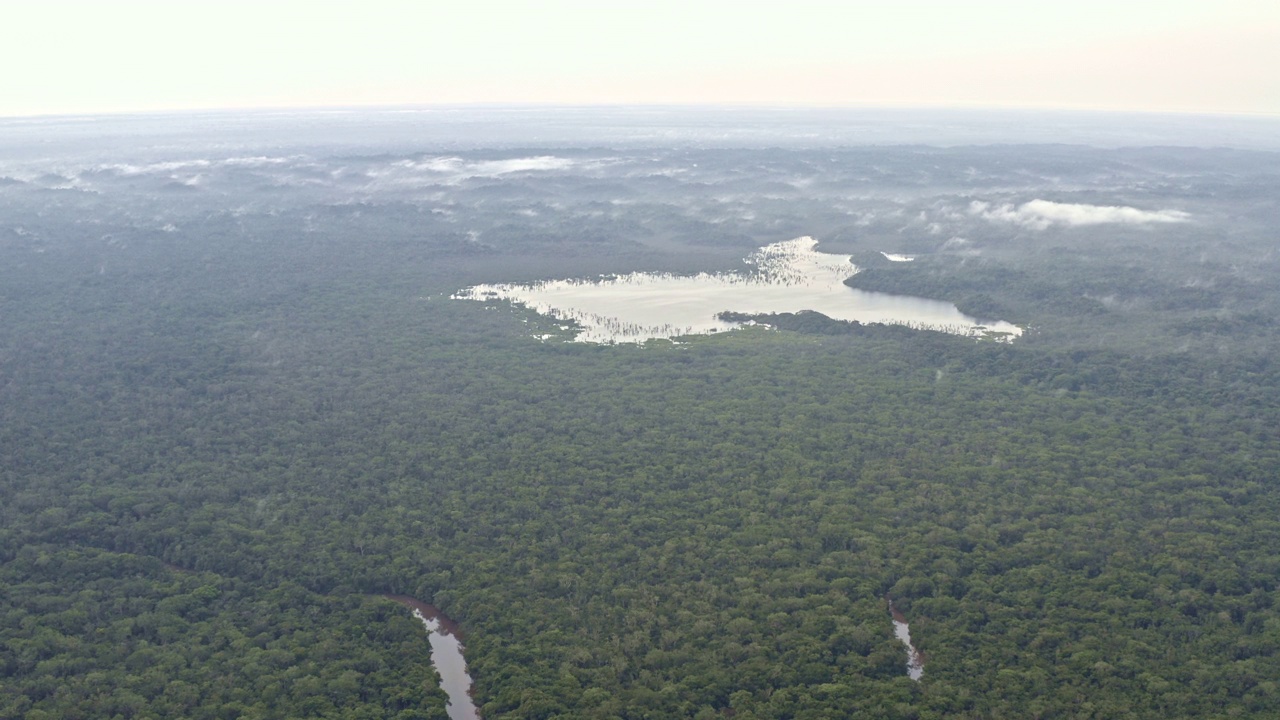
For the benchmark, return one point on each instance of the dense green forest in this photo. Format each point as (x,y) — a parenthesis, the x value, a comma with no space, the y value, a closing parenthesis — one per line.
(221,444)
(91,634)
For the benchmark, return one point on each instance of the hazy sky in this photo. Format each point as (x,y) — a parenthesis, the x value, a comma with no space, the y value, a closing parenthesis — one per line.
(62,56)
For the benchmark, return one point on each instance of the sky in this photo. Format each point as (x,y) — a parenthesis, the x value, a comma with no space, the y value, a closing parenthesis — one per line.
(80,56)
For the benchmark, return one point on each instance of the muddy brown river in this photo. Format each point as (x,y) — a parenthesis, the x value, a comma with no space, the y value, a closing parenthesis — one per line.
(446,656)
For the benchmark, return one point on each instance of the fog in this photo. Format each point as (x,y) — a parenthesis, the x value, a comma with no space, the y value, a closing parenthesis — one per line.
(960,208)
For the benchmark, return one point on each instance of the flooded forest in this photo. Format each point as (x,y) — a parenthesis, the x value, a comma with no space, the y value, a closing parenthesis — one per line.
(343,416)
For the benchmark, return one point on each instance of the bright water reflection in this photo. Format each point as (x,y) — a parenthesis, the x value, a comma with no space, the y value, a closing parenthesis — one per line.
(915,663)
(784,277)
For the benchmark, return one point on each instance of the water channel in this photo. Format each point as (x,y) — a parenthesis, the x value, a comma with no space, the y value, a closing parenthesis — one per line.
(915,661)
(446,656)
(785,277)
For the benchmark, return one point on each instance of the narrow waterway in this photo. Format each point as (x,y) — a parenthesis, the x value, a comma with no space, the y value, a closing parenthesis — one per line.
(915,661)
(446,656)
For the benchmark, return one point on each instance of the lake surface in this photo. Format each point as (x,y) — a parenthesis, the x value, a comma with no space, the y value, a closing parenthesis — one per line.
(446,656)
(785,277)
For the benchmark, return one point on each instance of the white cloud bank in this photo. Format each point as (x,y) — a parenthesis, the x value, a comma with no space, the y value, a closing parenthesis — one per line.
(1040,214)
(489,168)
(175,165)
(450,170)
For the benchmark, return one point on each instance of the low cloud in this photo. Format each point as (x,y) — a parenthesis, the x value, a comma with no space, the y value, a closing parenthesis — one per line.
(171,166)
(528,164)
(488,168)
(1041,214)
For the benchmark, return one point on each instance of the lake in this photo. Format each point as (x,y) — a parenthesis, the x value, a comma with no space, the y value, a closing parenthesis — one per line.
(785,277)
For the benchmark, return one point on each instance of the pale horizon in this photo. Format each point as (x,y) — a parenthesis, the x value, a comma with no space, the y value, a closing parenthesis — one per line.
(78,58)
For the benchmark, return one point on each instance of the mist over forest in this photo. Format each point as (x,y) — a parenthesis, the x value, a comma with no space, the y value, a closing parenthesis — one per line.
(240,404)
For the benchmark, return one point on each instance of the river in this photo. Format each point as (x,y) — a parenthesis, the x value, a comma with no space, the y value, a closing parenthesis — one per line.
(446,656)
(915,661)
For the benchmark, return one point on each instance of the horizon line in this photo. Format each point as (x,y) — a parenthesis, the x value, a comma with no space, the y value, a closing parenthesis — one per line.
(740,106)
